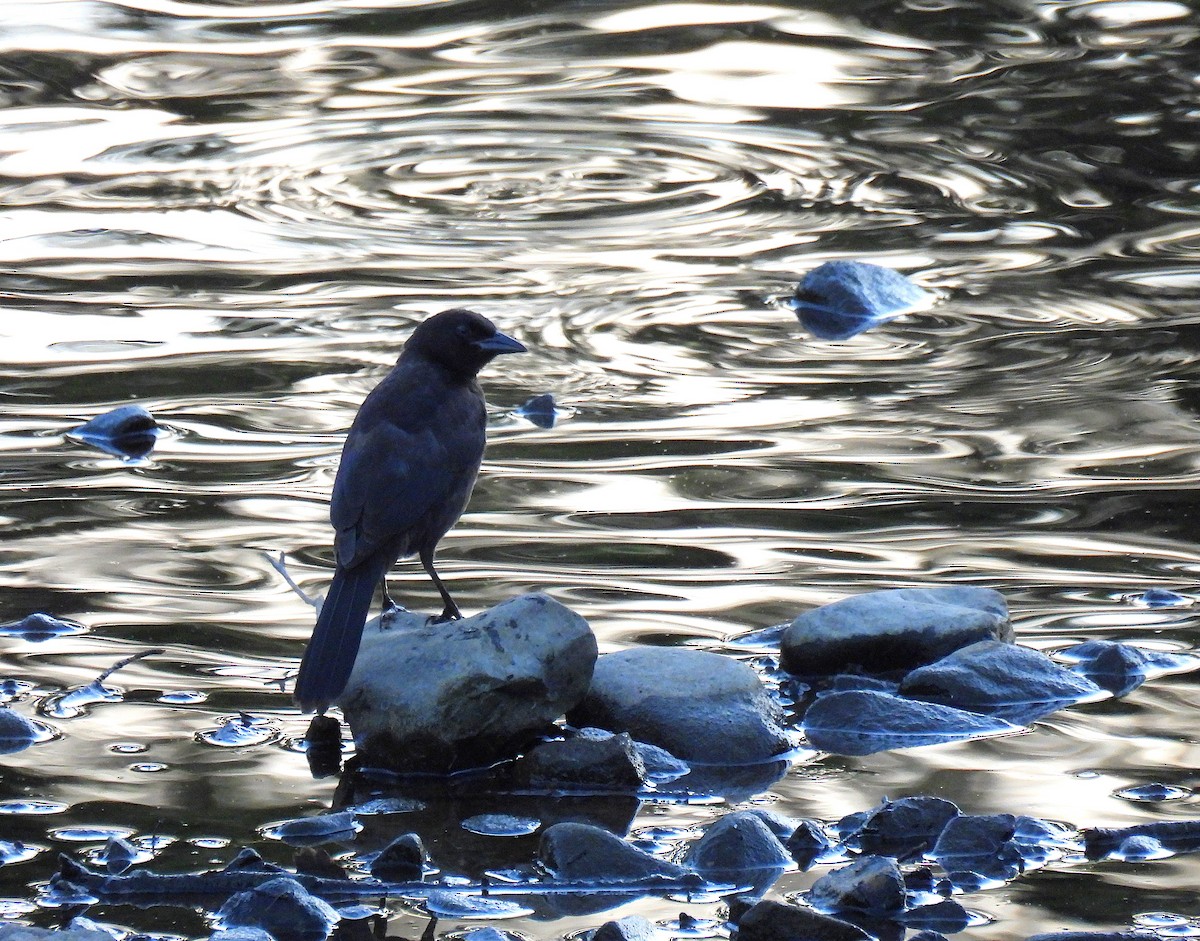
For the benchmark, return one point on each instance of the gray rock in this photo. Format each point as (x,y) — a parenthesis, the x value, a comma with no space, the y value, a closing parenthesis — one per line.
(241,934)
(594,762)
(738,848)
(774,921)
(871,885)
(885,631)
(580,852)
(428,697)
(864,722)
(402,860)
(629,928)
(281,907)
(16,732)
(1016,683)
(699,706)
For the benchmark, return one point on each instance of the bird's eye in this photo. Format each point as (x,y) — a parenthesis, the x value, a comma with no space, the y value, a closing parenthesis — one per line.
(463,330)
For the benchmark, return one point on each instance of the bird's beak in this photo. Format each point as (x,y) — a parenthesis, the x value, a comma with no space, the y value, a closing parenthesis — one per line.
(500,343)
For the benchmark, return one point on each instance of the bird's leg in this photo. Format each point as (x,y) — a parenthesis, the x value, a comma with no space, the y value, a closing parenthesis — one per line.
(450,612)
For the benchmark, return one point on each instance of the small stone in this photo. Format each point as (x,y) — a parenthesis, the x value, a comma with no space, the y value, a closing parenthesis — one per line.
(774,921)
(629,928)
(402,860)
(581,852)
(736,848)
(871,885)
(594,763)
(282,908)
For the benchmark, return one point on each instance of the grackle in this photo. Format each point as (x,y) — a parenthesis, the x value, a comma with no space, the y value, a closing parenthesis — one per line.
(407,470)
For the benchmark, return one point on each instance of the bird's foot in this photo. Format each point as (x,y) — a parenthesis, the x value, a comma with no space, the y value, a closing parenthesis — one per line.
(450,614)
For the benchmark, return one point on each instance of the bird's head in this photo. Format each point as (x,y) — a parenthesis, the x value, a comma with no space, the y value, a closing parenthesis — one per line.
(460,340)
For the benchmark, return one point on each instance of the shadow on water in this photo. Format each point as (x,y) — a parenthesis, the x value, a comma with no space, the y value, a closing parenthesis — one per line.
(232,213)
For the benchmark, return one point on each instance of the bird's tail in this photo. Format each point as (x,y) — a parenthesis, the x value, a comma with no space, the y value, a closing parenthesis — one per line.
(333,647)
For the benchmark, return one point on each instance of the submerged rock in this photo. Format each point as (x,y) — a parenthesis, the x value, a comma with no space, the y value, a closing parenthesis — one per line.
(283,908)
(841,299)
(1122,668)
(865,722)
(1004,680)
(129,431)
(774,921)
(402,860)
(891,631)
(903,829)
(699,706)
(739,848)
(13,932)
(978,849)
(1168,836)
(539,410)
(871,885)
(578,852)
(435,697)
(16,732)
(807,843)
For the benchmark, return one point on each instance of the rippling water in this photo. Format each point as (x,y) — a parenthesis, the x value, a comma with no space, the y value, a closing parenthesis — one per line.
(232,213)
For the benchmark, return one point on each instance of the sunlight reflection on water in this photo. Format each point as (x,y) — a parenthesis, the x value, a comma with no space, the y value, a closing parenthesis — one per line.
(233,213)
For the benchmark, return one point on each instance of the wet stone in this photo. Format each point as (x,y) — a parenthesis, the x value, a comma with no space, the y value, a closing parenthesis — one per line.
(539,410)
(11,932)
(428,697)
(594,761)
(738,848)
(699,706)
(865,722)
(946,915)
(402,860)
(978,849)
(241,934)
(892,631)
(282,908)
(775,921)
(318,829)
(580,852)
(841,299)
(905,828)
(629,928)
(872,885)
(1008,681)
(16,732)
(807,843)
(1121,668)
(128,431)
(1173,836)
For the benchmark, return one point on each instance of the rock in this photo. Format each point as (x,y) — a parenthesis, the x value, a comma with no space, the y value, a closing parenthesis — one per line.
(489,933)
(16,732)
(774,921)
(323,828)
(118,855)
(282,908)
(865,722)
(699,706)
(978,849)
(739,848)
(807,843)
(1003,680)
(428,697)
(781,825)
(241,934)
(1095,936)
(841,299)
(129,431)
(40,626)
(928,936)
(402,860)
(1170,836)
(905,828)
(946,915)
(890,631)
(629,928)
(871,885)
(539,410)
(594,761)
(1122,668)
(577,852)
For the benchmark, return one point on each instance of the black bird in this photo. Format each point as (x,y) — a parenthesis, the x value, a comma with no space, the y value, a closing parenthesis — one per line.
(408,467)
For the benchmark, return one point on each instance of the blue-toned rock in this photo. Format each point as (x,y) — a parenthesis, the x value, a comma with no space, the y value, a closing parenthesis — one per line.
(540,410)
(946,915)
(436,697)
(129,431)
(841,299)
(16,732)
(904,828)
(629,928)
(1171,836)
(699,706)
(807,843)
(774,921)
(402,860)
(892,631)
(40,626)
(976,850)
(864,722)
(1095,936)
(1008,681)
(739,848)
(282,908)
(580,852)
(1122,668)
(871,885)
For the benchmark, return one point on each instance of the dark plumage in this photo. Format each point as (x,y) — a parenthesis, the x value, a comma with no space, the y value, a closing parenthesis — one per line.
(408,467)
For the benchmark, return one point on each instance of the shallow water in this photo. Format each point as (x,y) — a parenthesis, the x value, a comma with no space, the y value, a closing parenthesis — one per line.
(233,213)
